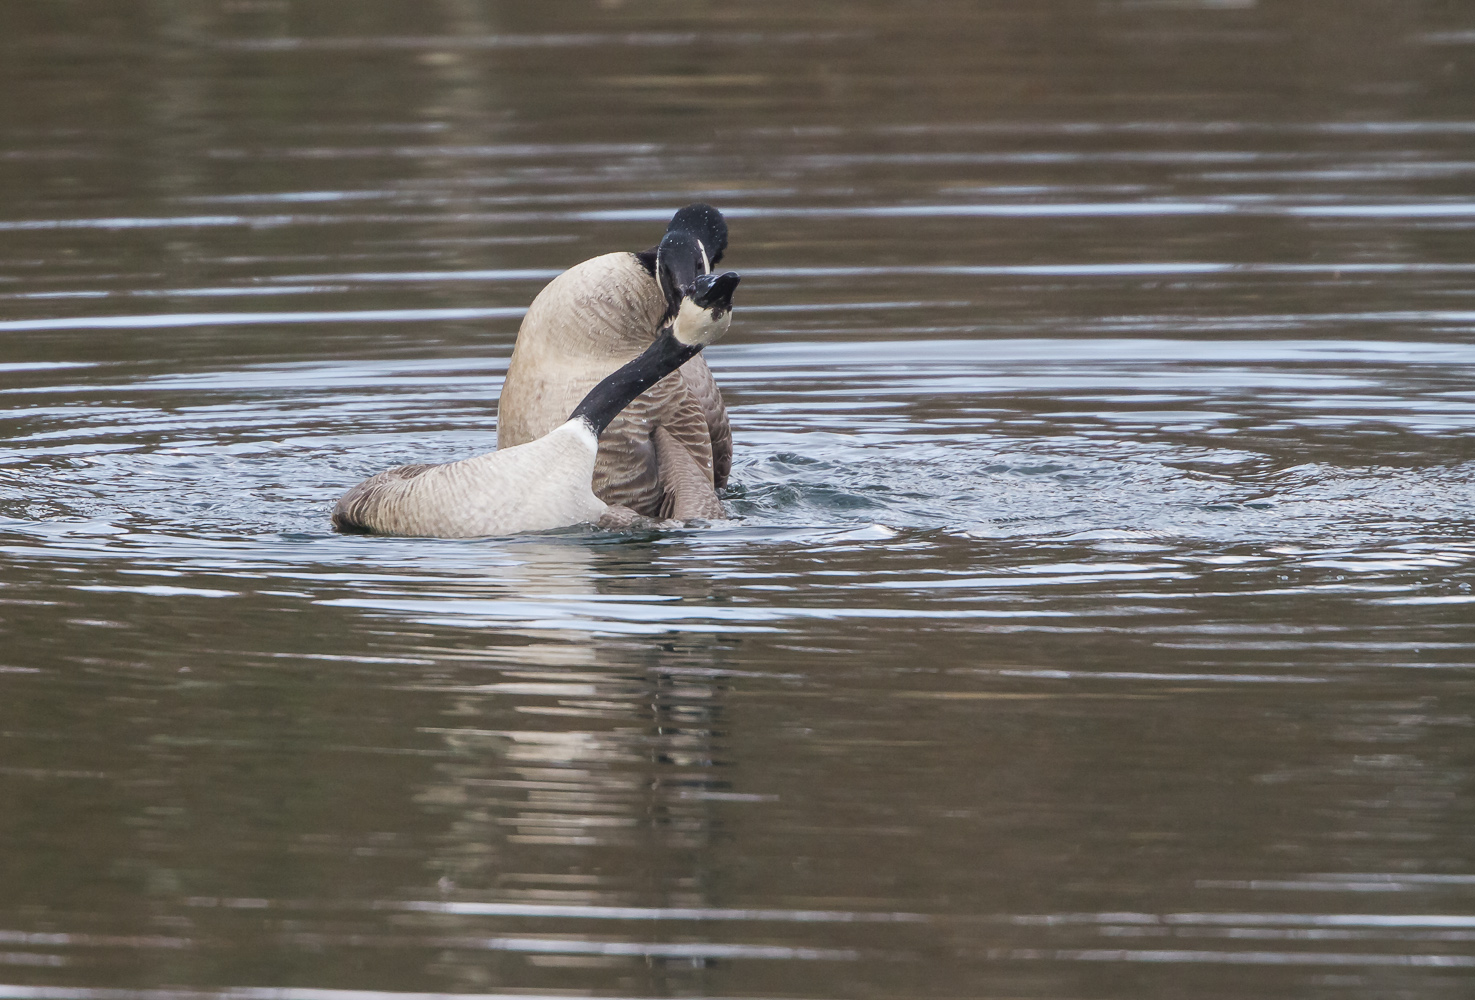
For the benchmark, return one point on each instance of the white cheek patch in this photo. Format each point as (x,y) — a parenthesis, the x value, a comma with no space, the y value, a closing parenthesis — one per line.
(695,325)
(690,321)
(706,261)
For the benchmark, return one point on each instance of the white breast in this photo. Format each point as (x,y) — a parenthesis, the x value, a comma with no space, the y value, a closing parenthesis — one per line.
(537,486)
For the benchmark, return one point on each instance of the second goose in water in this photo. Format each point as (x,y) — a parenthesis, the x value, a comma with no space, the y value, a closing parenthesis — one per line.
(544,483)
(670,451)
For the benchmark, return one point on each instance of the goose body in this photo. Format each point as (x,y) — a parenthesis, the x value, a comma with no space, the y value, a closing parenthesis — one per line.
(545,483)
(669,452)
(537,486)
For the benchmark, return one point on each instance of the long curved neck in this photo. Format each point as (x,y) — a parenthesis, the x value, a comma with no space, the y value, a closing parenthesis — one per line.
(618,389)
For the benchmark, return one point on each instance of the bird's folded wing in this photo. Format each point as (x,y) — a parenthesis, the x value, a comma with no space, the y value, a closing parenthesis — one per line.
(686,487)
(628,471)
(703,389)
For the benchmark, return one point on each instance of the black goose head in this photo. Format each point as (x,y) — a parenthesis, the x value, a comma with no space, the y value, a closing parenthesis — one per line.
(698,302)
(706,310)
(695,241)
(707,226)
(679,261)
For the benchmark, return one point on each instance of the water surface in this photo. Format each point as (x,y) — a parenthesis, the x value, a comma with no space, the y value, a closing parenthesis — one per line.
(1095,617)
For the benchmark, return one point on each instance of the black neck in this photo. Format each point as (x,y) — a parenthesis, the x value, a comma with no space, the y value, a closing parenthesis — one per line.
(617,390)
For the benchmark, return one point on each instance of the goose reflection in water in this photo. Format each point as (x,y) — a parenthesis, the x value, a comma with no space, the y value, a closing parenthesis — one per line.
(604,794)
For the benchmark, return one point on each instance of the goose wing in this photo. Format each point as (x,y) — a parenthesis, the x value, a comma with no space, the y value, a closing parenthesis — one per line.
(703,389)
(630,471)
(686,487)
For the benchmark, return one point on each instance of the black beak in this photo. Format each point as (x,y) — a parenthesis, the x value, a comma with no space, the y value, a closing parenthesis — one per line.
(714,291)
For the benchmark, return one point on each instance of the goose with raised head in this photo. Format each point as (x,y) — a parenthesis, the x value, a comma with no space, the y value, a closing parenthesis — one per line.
(544,483)
(669,452)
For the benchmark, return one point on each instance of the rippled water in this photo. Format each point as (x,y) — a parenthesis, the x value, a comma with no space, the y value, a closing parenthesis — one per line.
(1095,619)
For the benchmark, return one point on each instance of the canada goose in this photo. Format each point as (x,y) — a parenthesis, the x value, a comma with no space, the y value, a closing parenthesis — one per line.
(670,451)
(544,483)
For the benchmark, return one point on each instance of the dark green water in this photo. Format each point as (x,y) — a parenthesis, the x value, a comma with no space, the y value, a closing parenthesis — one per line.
(1096,616)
